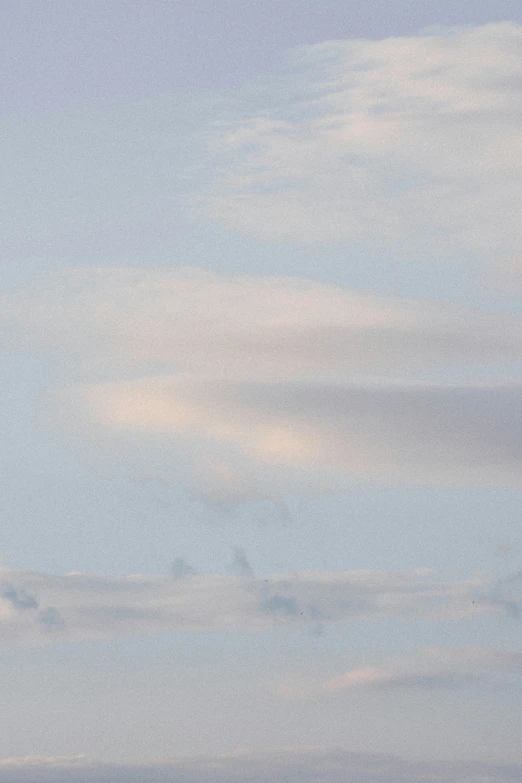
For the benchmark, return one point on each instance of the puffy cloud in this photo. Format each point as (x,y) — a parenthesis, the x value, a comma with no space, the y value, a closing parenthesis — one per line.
(413,144)
(432,668)
(294,765)
(88,606)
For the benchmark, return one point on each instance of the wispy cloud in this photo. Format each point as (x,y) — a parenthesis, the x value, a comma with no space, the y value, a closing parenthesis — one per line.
(112,320)
(412,143)
(89,606)
(181,569)
(293,765)
(247,375)
(431,668)
(240,564)
(422,433)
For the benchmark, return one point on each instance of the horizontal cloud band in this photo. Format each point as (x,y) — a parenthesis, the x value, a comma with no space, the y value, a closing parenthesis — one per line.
(281,371)
(40,609)
(431,668)
(294,765)
(427,433)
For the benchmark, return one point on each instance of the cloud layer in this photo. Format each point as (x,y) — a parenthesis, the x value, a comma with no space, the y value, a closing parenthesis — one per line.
(293,765)
(246,375)
(413,144)
(245,327)
(424,433)
(37,609)
(431,668)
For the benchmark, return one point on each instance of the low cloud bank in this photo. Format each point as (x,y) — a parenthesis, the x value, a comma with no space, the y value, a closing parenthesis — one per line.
(291,765)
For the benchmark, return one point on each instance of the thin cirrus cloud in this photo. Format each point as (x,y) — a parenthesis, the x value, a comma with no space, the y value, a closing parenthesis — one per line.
(272,372)
(431,668)
(78,607)
(413,144)
(292,764)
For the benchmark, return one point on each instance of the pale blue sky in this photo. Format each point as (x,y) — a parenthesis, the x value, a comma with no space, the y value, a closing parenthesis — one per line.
(58,54)
(260,295)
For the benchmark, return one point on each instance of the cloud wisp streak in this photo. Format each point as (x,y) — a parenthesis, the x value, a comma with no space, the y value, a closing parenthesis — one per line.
(77,607)
(469,434)
(111,320)
(432,668)
(412,144)
(247,375)
(293,765)
(285,371)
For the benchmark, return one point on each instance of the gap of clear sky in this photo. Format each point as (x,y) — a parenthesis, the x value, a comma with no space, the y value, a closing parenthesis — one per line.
(260,341)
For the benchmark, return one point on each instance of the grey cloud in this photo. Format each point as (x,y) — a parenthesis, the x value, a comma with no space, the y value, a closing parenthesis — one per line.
(423,433)
(17,597)
(390,348)
(442,681)
(281,604)
(181,569)
(470,432)
(291,765)
(279,601)
(240,564)
(21,600)
(507,593)
(50,618)
(89,606)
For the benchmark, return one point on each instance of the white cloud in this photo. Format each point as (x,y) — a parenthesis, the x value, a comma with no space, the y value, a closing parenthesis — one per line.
(89,606)
(412,144)
(260,373)
(244,328)
(294,765)
(430,668)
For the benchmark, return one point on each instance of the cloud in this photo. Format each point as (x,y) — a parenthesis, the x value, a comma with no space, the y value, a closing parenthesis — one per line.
(181,569)
(19,599)
(242,376)
(411,144)
(431,668)
(507,593)
(44,762)
(50,618)
(415,432)
(240,564)
(190,321)
(293,765)
(78,607)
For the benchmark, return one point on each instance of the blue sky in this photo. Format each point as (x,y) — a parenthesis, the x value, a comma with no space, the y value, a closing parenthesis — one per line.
(260,340)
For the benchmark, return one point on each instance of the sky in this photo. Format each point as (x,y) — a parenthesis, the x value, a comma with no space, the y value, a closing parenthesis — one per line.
(260,360)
